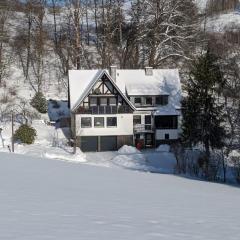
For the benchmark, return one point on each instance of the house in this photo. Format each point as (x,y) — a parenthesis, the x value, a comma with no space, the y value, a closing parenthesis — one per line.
(111,108)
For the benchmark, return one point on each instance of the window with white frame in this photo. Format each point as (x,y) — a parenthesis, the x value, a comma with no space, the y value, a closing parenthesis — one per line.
(137,100)
(99,122)
(111,122)
(149,101)
(93,101)
(112,101)
(103,101)
(137,119)
(86,122)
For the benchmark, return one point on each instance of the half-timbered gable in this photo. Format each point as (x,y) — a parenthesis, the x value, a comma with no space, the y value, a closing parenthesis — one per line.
(104,98)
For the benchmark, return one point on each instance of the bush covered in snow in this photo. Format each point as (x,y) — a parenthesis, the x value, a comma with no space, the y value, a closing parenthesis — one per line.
(163,148)
(39,102)
(128,150)
(25,134)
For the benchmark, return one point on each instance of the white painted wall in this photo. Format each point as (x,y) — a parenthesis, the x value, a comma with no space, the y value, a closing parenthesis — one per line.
(124,126)
(173,134)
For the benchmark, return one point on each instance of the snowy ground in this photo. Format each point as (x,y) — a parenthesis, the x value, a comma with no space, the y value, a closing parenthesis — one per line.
(222,22)
(47,199)
(52,143)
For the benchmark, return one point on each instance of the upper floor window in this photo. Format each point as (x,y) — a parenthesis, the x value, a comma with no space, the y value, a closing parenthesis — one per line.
(103,101)
(112,101)
(148,119)
(93,101)
(86,122)
(166,122)
(162,100)
(148,101)
(138,100)
(137,119)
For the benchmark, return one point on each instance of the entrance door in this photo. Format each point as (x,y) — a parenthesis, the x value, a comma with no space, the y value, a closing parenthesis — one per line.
(149,139)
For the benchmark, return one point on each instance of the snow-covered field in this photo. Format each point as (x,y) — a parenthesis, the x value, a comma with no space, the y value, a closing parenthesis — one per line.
(47,199)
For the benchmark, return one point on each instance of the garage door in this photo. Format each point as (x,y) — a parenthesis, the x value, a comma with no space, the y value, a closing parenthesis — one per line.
(108,143)
(89,144)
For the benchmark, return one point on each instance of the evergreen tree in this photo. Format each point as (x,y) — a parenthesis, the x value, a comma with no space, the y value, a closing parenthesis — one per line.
(39,102)
(202,113)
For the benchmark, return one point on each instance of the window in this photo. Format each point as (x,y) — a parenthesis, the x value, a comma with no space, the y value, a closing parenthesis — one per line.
(93,101)
(148,119)
(86,122)
(166,136)
(162,100)
(111,122)
(136,119)
(166,122)
(99,122)
(103,101)
(138,100)
(112,101)
(148,101)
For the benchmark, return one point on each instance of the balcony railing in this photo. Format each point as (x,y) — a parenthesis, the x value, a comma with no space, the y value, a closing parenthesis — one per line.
(139,128)
(104,110)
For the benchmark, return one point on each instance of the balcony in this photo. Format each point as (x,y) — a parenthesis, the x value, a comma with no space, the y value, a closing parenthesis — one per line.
(104,110)
(141,128)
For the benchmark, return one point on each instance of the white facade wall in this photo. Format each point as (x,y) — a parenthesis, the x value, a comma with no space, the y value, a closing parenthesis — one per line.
(124,126)
(173,134)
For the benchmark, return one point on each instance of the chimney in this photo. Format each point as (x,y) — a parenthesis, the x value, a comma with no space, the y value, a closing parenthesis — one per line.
(148,71)
(113,72)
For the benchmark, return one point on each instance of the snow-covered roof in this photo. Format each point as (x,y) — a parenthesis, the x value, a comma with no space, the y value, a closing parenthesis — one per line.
(161,82)
(137,83)
(167,110)
(128,82)
(82,81)
(79,82)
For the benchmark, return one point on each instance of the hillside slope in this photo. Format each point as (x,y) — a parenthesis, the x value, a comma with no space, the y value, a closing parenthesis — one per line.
(47,199)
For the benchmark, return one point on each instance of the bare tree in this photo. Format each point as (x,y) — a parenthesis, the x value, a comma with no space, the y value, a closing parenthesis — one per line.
(5,9)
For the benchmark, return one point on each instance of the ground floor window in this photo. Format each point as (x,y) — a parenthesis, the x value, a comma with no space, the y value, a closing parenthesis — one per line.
(99,122)
(166,136)
(111,122)
(86,122)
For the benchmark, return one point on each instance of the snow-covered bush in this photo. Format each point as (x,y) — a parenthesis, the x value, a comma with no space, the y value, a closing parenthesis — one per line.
(39,102)
(25,134)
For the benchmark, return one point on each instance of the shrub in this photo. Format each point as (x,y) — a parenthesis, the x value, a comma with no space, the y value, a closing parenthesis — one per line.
(39,102)
(25,134)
